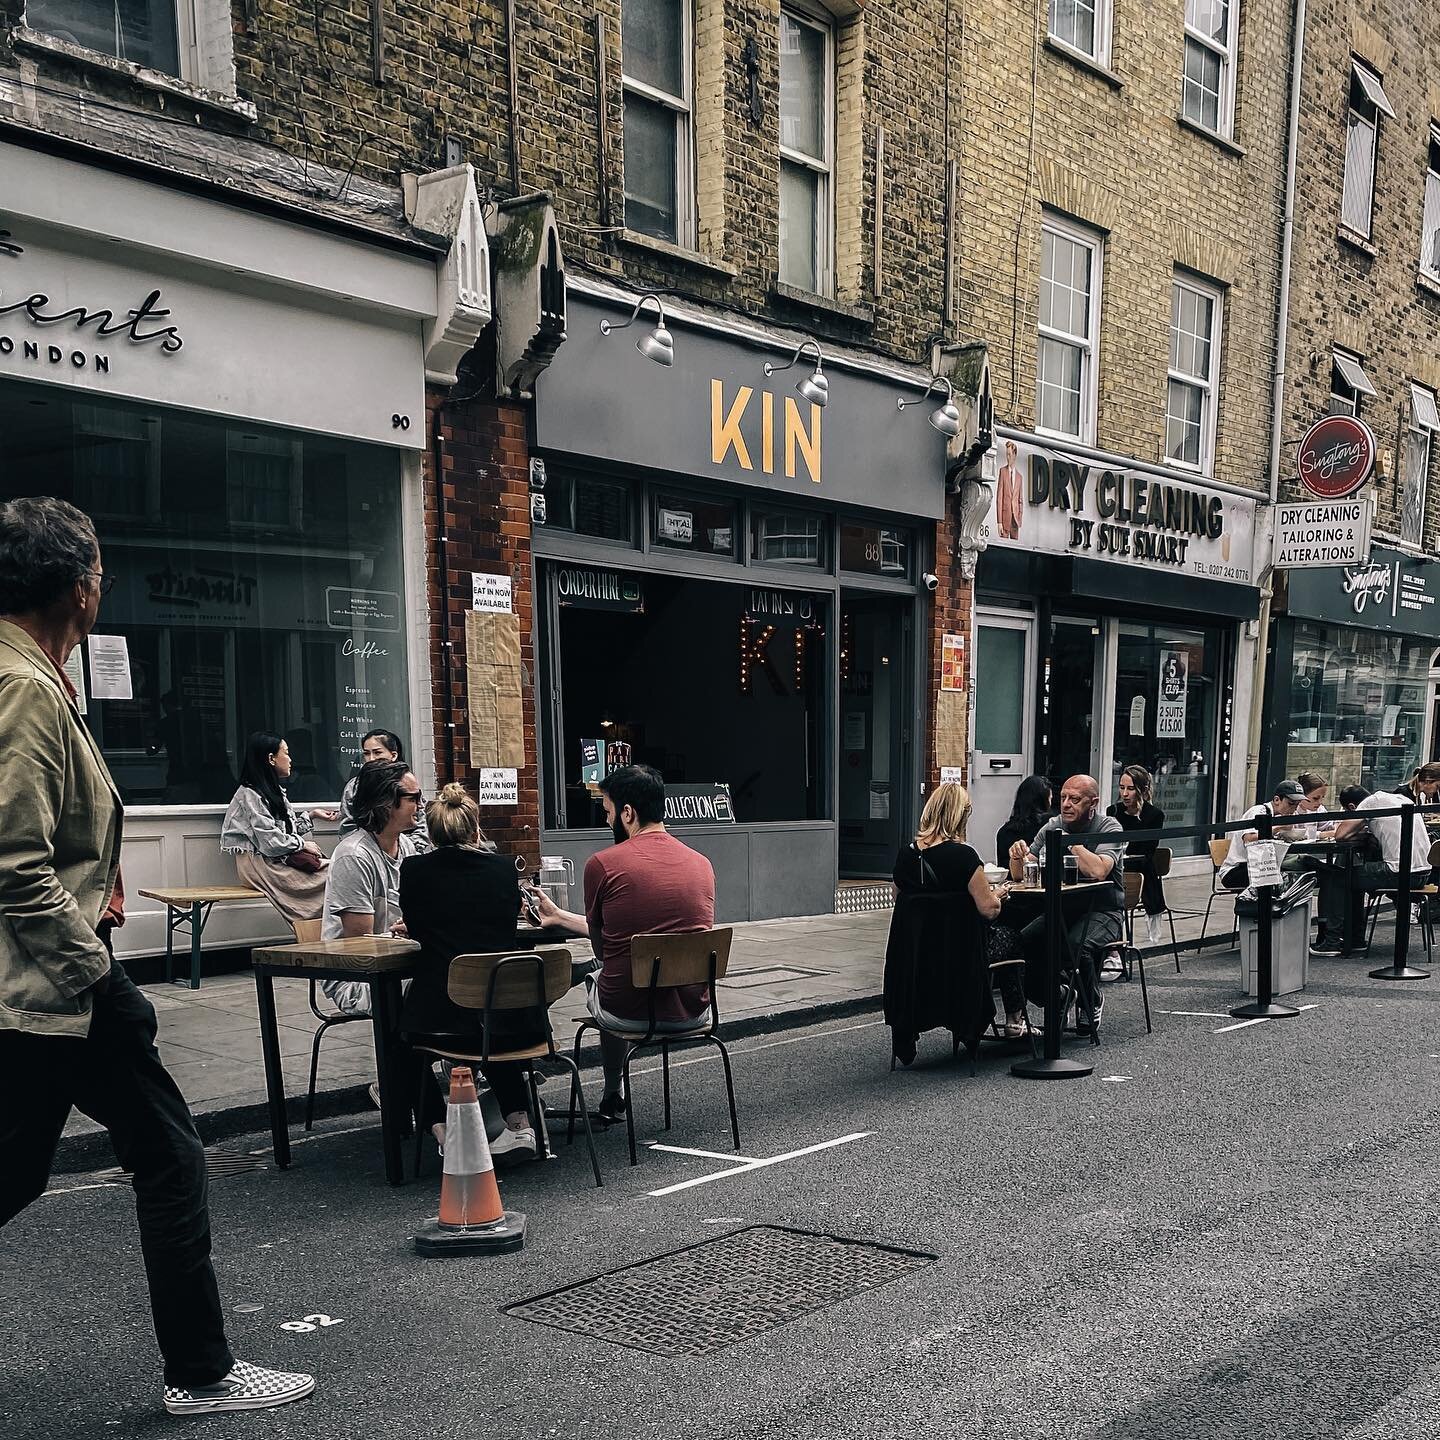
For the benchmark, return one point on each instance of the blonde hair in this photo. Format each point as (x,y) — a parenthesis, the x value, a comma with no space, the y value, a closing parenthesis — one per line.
(452,818)
(945,815)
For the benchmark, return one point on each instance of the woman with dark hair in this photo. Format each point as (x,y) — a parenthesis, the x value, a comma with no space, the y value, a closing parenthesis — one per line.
(1030,811)
(1134,811)
(271,841)
(378,745)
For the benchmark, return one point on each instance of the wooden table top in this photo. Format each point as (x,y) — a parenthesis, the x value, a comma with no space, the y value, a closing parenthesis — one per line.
(202,894)
(374,954)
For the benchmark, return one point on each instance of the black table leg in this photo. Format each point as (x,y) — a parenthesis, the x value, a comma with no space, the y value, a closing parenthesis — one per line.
(274,1074)
(385,1000)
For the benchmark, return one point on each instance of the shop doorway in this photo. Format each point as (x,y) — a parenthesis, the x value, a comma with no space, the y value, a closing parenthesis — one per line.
(1003,723)
(876,728)
(1077,669)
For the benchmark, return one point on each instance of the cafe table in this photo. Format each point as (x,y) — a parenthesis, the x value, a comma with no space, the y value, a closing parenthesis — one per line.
(377,960)
(1333,855)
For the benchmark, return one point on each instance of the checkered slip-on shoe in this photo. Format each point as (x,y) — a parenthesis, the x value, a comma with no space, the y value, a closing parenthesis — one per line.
(246,1387)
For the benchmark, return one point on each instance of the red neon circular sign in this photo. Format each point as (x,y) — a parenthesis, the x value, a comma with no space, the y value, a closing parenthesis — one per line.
(1336,457)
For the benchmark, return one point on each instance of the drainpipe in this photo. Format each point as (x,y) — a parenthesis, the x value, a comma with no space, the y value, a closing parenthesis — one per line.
(1277,417)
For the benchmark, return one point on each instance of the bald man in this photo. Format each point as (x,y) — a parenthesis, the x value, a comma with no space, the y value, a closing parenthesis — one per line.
(1101,926)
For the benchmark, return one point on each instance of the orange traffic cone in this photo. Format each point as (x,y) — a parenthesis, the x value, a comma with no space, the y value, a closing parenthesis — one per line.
(472,1220)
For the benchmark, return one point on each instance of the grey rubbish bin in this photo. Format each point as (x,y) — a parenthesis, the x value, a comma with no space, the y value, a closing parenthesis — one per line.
(1289,945)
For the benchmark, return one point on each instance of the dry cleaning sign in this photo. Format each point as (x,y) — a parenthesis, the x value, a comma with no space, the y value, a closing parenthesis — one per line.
(1333,532)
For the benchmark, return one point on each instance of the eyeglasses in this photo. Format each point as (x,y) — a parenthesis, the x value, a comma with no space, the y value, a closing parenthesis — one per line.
(414,795)
(104,583)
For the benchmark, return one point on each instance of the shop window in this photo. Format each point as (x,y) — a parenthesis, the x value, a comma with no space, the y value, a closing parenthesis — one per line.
(1415,463)
(875,550)
(1430,222)
(193,42)
(1068,329)
(1194,380)
(1082,25)
(1208,89)
(1368,102)
(590,505)
(703,527)
(234,620)
(658,83)
(1357,705)
(628,660)
(1348,383)
(807,148)
(793,538)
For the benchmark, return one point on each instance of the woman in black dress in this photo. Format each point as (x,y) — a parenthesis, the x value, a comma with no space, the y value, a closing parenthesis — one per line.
(463,899)
(1135,812)
(942,942)
(1029,812)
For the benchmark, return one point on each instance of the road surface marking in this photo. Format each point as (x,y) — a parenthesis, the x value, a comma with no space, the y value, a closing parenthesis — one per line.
(1258,1020)
(703,1154)
(76,1189)
(750,1165)
(1116,1079)
(711,1054)
(1204,1014)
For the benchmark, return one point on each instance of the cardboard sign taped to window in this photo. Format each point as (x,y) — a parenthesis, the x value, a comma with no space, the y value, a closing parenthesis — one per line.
(492,685)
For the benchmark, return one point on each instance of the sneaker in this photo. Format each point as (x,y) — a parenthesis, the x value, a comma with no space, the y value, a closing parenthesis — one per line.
(1327,947)
(513,1142)
(374,1093)
(246,1387)
(1112,968)
(1086,1022)
(1152,929)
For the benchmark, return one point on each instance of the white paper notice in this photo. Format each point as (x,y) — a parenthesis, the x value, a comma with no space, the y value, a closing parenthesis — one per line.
(950,775)
(110,668)
(75,669)
(499,787)
(1137,715)
(1264,863)
(490,592)
(854,730)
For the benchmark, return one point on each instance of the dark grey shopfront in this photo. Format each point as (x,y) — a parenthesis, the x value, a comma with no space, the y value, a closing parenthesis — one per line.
(728,587)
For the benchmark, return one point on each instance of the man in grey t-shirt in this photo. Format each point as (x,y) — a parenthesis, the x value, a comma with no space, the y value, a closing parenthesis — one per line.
(1101,926)
(362,886)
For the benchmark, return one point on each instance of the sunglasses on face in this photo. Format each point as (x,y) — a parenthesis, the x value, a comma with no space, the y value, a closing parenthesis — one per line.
(414,795)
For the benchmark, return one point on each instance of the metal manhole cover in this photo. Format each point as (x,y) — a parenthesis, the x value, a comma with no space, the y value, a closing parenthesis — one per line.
(709,1296)
(221,1162)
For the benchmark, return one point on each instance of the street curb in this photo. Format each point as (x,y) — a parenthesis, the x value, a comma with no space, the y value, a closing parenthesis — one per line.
(80,1154)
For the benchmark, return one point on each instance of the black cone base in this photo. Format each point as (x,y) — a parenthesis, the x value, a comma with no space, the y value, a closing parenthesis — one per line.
(1256,1011)
(507,1233)
(1399,972)
(1061,1069)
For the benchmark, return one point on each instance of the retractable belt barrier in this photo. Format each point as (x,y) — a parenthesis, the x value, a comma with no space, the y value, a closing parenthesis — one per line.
(1053,1066)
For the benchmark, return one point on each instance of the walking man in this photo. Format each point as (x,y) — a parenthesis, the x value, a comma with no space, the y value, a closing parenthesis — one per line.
(74,1030)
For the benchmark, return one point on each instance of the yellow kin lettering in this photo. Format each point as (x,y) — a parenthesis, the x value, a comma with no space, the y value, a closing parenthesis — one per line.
(727,434)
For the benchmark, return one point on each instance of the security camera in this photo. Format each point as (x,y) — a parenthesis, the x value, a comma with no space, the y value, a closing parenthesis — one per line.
(930,582)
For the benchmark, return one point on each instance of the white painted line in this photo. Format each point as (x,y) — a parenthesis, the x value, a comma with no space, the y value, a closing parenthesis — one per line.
(1116,1079)
(703,1154)
(76,1189)
(1259,1020)
(762,1164)
(711,1053)
(1204,1014)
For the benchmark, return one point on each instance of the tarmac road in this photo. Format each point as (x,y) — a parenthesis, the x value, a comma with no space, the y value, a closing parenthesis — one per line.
(1237,1240)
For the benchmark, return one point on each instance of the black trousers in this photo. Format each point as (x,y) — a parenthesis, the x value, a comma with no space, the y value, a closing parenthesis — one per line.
(1152,888)
(115,1076)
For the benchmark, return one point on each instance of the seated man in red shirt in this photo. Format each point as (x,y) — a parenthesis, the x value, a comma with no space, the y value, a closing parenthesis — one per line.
(648,883)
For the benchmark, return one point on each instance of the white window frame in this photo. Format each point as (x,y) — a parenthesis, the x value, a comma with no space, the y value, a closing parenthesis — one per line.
(1101,53)
(1424,421)
(204,45)
(1353,383)
(1225,117)
(1209,384)
(1094,241)
(683,106)
(822,167)
(1362,113)
(1430,214)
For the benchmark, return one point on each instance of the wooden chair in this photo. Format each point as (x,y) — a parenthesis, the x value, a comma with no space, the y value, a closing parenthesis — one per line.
(663,962)
(1420,896)
(504,982)
(1160,861)
(1134,883)
(307,931)
(1219,849)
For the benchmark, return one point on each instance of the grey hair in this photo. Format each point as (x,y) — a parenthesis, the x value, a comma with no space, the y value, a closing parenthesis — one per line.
(46,546)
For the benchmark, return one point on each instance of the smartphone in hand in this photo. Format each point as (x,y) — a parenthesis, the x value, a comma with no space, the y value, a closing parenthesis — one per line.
(532,905)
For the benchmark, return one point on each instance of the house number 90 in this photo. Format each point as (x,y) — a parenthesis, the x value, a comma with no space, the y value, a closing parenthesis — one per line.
(400,422)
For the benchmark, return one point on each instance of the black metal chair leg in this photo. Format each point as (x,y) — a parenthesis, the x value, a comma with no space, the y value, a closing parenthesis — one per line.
(629,1103)
(665,1077)
(1174,942)
(314,1073)
(421,1130)
(537,1117)
(575,1089)
(1144,993)
(578,1091)
(1205,923)
(729,1088)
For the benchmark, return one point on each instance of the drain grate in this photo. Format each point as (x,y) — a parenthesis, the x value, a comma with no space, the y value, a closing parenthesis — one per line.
(709,1296)
(862,899)
(221,1162)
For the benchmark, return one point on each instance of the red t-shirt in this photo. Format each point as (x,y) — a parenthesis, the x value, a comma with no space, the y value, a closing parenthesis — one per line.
(649,885)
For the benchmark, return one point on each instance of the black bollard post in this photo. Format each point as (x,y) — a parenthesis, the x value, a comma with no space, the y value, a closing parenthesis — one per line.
(1052,1065)
(1401,970)
(1264,1005)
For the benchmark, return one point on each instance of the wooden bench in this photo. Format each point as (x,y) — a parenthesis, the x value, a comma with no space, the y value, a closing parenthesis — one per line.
(191,905)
